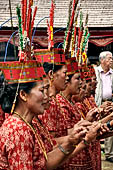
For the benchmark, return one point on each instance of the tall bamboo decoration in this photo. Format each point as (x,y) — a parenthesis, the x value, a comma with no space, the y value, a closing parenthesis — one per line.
(80,31)
(74,33)
(20,27)
(69,33)
(26,24)
(67,28)
(84,41)
(50,26)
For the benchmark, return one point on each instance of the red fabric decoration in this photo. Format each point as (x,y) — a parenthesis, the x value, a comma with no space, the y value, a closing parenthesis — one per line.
(55,56)
(21,72)
(85,72)
(72,66)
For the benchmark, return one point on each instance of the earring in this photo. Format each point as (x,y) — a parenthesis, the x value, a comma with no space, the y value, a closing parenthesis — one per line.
(25,99)
(51,81)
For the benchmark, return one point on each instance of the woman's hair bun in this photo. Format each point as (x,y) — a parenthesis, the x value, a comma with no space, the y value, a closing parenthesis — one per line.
(50,66)
(47,67)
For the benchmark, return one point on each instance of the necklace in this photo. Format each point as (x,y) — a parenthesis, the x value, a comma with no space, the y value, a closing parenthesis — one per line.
(81,113)
(70,102)
(60,108)
(40,142)
(45,131)
(86,102)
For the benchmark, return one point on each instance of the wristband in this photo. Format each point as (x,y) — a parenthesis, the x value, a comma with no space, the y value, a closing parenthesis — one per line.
(100,121)
(109,126)
(63,150)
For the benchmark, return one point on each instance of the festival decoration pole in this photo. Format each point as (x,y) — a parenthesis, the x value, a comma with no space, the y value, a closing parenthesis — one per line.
(25,13)
(32,23)
(50,26)
(67,28)
(68,38)
(84,41)
(74,36)
(20,27)
(80,31)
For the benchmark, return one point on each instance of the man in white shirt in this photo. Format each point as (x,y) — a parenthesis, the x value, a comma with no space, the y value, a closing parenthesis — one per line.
(104,91)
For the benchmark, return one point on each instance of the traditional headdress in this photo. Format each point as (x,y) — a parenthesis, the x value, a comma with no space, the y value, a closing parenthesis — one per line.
(54,56)
(85,72)
(92,70)
(21,72)
(26,69)
(50,55)
(72,66)
(76,38)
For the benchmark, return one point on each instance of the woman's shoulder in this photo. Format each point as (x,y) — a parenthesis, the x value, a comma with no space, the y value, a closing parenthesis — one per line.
(13,125)
(14,133)
(60,99)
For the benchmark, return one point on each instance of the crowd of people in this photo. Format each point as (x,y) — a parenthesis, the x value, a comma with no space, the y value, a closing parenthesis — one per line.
(55,123)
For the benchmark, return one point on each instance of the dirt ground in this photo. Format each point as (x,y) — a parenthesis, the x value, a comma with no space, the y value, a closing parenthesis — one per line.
(105,164)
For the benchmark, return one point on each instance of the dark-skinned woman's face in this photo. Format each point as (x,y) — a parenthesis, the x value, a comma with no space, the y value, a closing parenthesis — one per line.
(35,99)
(60,79)
(75,84)
(88,88)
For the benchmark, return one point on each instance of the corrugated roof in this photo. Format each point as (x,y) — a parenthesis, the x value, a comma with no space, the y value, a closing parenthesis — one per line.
(100,12)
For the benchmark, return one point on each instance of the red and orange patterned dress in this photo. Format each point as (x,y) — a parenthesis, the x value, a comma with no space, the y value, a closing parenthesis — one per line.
(49,118)
(89,103)
(19,149)
(60,117)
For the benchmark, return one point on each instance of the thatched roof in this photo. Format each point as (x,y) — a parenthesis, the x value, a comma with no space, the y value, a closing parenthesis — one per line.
(100,12)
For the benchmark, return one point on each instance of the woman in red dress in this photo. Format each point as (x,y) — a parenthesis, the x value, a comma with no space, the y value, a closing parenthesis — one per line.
(83,108)
(58,82)
(83,161)
(62,116)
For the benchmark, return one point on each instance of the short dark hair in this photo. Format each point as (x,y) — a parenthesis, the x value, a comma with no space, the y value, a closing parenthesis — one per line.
(70,77)
(49,66)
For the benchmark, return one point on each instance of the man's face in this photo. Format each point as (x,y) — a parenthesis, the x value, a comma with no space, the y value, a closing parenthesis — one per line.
(107,61)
